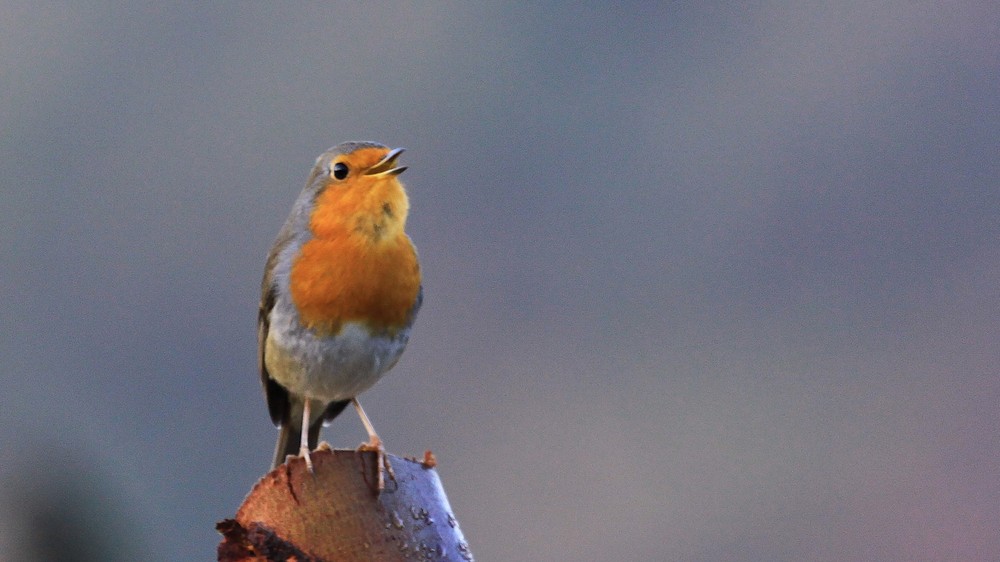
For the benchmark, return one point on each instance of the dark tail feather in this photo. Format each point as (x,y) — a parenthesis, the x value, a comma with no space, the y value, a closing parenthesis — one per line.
(288,443)
(290,433)
(332,410)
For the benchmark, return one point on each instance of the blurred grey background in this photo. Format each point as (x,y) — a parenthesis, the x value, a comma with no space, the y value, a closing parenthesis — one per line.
(703,282)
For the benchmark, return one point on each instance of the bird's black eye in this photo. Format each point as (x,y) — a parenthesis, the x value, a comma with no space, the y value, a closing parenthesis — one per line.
(340,170)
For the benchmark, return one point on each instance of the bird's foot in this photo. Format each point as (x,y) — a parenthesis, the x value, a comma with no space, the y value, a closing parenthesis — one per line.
(304,453)
(381,461)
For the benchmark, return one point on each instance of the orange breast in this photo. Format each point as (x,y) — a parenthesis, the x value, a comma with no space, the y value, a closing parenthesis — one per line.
(347,278)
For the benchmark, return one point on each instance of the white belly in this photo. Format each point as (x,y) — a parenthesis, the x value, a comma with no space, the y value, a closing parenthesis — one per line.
(328,368)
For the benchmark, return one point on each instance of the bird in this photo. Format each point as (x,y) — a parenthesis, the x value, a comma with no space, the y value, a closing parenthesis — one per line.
(340,293)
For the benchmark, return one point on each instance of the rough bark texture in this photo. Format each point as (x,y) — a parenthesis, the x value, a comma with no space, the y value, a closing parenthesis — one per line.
(337,513)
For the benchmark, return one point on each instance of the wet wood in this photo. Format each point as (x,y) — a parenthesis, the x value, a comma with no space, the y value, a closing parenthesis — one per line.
(338,513)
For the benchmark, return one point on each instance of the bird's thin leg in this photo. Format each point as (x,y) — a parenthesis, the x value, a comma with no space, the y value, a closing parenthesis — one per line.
(304,443)
(373,439)
(374,444)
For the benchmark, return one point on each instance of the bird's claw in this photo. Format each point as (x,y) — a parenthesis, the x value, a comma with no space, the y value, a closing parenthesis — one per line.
(381,461)
(304,453)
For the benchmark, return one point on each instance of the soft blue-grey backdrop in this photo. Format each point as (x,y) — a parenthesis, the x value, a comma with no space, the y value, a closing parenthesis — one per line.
(703,282)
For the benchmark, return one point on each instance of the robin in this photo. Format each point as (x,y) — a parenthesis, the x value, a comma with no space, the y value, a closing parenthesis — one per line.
(340,293)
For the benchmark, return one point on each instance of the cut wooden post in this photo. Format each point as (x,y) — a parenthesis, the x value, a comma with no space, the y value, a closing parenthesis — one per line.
(337,513)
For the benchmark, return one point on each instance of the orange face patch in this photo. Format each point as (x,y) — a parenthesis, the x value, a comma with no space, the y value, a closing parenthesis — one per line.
(361,266)
(360,199)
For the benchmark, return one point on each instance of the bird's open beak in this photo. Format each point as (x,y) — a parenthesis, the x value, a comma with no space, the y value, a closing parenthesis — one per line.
(387,165)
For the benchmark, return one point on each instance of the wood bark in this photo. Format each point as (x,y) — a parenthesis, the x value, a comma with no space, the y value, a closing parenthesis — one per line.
(338,513)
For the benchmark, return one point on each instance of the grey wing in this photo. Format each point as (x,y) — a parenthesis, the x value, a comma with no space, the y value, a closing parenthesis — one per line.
(277,397)
(417,304)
